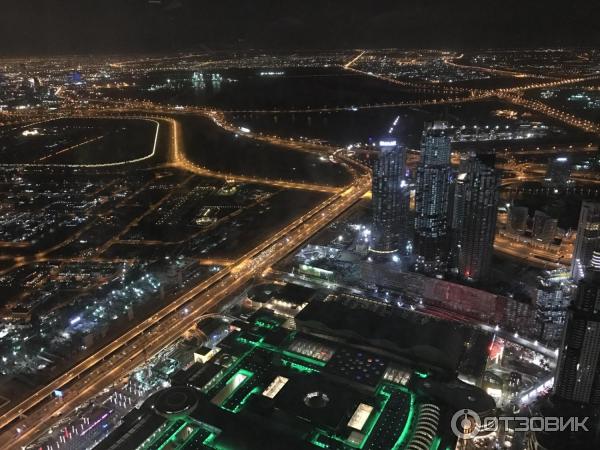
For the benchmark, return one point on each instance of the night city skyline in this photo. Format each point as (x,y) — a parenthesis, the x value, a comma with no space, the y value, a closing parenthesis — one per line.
(299,225)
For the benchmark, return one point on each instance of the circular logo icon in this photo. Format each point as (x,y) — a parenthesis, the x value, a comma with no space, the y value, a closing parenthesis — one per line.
(465,424)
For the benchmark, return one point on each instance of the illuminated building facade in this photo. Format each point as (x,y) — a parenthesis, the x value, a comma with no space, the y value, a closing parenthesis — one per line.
(431,199)
(578,368)
(588,238)
(391,196)
(553,294)
(474,215)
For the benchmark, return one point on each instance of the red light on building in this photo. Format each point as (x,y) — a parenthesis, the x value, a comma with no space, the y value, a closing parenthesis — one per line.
(495,350)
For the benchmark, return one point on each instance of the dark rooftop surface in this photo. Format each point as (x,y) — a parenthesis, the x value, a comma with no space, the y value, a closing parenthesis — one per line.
(415,336)
(274,388)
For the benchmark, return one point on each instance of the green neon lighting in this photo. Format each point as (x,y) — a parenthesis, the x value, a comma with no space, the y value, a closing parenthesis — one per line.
(217,378)
(376,416)
(209,440)
(231,380)
(247,341)
(315,441)
(303,358)
(190,437)
(174,435)
(167,431)
(408,426)
(328,435)
(298,367)
(264,324)
(436,443)
(254,391)
(241,372)
(371,426)
(322,439)
(213,432)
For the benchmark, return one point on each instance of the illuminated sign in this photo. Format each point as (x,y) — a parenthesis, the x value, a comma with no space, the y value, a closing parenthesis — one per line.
(387,143)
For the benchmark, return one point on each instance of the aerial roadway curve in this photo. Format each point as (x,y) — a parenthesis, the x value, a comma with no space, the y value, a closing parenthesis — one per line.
(26,420)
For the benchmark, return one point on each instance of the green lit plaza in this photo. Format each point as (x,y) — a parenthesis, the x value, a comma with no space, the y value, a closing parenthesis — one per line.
(282,383)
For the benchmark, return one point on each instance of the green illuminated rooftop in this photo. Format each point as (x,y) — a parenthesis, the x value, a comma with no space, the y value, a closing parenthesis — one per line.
(270,388)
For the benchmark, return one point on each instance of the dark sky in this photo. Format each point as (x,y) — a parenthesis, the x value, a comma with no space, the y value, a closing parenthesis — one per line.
(112,26)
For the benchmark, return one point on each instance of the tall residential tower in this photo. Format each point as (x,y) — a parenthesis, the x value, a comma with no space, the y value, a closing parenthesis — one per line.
(588,238)
(431,199)
(578,368)
(474,215)
(390,199)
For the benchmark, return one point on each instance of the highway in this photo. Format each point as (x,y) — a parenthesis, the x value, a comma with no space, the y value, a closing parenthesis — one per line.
(543,151)
(415,103)
(543,258)
(512,95)
(24,421)
(453,95)
(353,60)
(178,159)
(450,61)
(556,114)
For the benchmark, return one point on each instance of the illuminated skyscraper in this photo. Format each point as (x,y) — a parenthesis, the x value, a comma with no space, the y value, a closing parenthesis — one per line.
(553,295)
(578,368)
(588,238)
(474,215)
(431,200)
(390,199)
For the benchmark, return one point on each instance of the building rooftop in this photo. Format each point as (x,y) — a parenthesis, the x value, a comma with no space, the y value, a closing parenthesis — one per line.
(411,335)
(274,388)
